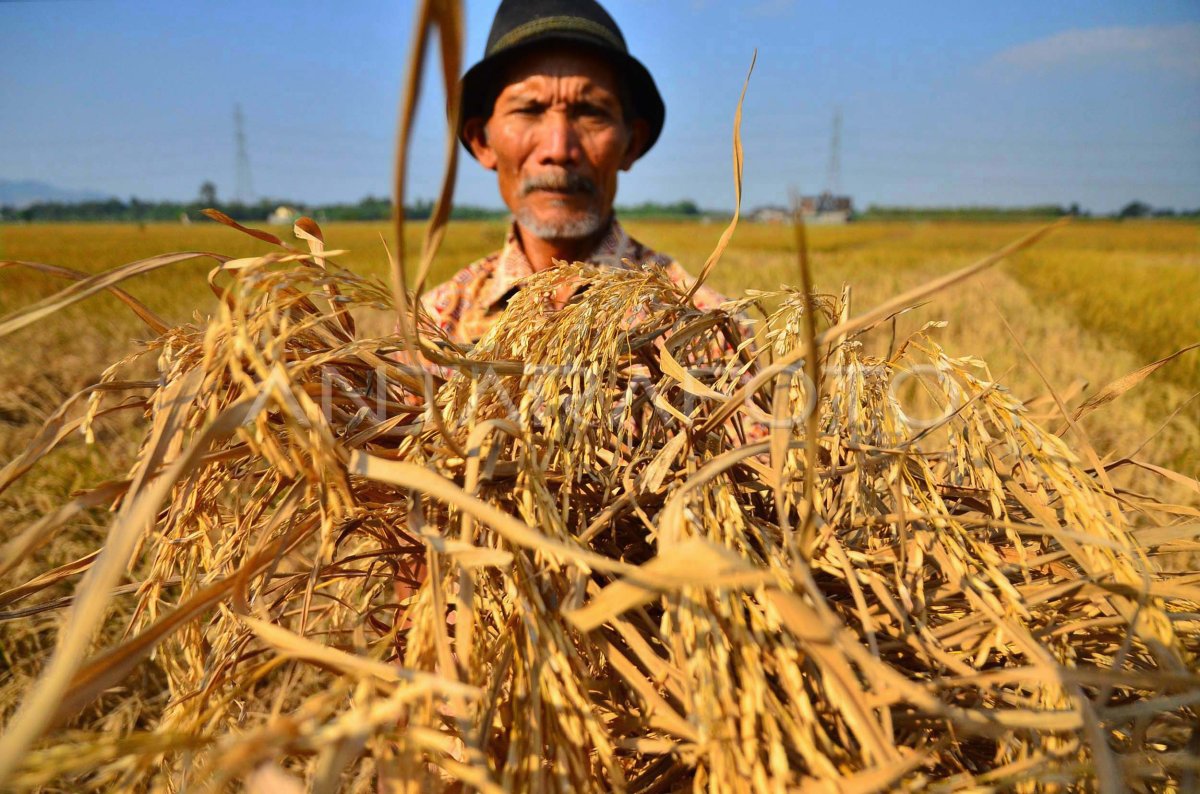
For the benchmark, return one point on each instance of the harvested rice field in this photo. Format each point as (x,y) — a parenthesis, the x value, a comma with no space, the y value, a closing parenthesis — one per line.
(622,545)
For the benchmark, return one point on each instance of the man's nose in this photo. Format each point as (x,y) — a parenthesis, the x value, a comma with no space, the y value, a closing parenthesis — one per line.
(560,143)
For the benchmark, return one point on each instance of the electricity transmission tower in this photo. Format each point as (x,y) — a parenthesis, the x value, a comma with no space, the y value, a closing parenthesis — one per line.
(833,181)
(245,187)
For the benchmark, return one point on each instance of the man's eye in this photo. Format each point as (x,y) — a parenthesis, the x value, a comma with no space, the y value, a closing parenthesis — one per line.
(529,110)
(592,111)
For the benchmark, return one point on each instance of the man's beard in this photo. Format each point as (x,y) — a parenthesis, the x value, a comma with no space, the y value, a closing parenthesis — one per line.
(576,228)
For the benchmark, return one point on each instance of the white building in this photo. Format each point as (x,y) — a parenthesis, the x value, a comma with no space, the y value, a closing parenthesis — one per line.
(283,216)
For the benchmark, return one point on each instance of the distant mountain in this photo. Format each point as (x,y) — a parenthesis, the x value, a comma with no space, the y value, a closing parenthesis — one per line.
(23,192)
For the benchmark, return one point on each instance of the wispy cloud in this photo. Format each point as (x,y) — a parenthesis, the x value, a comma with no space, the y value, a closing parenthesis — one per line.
(1170,47)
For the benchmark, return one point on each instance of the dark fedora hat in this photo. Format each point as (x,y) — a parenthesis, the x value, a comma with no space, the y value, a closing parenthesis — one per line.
(522,24)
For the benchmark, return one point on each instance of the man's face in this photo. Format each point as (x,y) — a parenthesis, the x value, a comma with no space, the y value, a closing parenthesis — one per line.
(556,139)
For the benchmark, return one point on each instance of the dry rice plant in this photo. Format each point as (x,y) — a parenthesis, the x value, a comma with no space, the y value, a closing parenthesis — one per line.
(614,546)
(604,557)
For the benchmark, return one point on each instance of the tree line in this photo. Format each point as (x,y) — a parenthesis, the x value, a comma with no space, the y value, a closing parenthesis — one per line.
(1132,210)
(135,210)
(375,208)
(370,208)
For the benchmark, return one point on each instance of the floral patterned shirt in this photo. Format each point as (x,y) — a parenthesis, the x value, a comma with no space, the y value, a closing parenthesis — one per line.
(467,305)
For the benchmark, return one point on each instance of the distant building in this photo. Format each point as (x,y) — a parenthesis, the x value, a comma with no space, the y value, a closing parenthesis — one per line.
(771,215)
(825,208)
(283,216)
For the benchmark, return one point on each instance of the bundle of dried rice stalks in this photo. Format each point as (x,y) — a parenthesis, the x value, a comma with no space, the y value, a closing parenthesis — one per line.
(616,552)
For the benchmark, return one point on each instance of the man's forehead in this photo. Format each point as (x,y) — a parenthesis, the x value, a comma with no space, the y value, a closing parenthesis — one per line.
(528,69)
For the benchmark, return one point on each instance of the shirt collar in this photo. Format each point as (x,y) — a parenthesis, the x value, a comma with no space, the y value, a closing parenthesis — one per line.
(512,265)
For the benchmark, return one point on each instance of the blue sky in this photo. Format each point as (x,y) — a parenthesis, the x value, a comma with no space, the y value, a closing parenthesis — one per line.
(942,103)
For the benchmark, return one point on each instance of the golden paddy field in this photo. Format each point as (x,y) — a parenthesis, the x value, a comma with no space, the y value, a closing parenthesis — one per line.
(1093,302)
(1088,305)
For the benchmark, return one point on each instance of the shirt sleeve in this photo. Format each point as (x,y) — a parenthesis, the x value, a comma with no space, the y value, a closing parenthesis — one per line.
(442,303)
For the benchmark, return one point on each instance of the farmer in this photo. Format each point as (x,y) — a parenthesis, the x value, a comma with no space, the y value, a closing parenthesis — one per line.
(557,107)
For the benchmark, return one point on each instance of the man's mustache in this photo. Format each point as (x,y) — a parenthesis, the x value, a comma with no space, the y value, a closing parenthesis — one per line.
(561,181)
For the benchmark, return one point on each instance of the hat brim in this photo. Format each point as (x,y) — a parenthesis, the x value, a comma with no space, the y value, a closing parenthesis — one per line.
(647,102)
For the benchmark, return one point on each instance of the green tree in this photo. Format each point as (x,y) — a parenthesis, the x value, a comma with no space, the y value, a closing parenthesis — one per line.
(1135,209)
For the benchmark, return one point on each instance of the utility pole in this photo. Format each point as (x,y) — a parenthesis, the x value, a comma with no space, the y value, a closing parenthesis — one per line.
(244,193)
